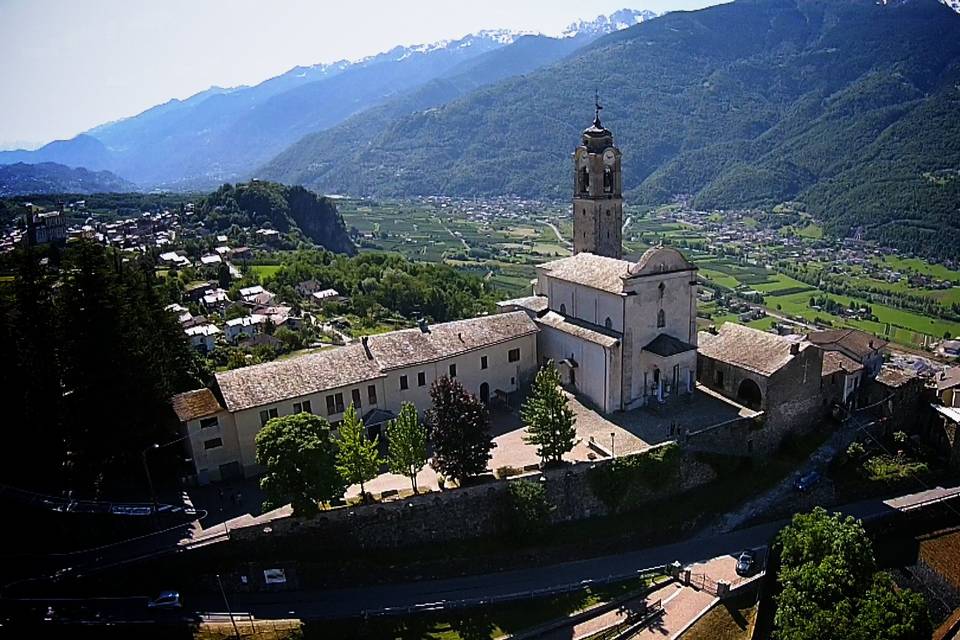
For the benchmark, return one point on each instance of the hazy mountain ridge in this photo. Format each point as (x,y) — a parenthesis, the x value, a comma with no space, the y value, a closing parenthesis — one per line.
(48,177)
(223,134)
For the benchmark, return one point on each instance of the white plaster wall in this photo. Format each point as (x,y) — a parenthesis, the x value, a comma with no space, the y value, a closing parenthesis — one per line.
(592,359)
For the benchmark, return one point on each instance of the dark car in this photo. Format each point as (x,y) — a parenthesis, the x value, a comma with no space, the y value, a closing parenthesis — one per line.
(806,481)
(166,600)
(746,562)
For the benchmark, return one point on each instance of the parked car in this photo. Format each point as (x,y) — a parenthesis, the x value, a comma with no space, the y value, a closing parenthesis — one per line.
(806,481)
(746,562)
(166,600)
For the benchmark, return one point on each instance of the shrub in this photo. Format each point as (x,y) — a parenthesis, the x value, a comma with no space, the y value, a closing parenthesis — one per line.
(624,481)
(527,508)
(506,471)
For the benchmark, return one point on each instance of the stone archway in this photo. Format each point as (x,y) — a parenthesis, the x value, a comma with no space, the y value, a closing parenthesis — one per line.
(748,394)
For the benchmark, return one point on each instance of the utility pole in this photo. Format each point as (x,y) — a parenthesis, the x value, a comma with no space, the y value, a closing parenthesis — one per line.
(227,605)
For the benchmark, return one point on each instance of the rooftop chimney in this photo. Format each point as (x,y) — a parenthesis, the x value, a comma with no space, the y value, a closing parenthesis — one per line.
(794,348)
(365,341)
(424,327)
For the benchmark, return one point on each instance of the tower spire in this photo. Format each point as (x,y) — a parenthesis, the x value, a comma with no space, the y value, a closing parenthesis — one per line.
(596,103)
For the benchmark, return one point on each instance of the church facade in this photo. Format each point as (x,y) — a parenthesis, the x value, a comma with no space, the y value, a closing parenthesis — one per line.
(623,334)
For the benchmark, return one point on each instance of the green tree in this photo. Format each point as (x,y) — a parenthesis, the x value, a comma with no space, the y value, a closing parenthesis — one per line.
(830,587)
(357,457)
(527,508)
(550,424)
(407,442)
(300,461)
(223,275)
(459,428)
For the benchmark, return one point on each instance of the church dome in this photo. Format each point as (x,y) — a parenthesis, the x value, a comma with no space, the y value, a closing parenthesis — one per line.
(660,259)
(597,130)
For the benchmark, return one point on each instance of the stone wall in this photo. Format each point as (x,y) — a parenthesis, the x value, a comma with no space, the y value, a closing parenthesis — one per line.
(738,437)
(461,513)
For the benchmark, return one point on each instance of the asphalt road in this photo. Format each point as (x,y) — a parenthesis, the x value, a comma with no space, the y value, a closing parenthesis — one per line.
(350,602)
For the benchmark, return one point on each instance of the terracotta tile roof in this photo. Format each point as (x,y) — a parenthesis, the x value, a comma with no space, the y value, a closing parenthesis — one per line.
(656,260)
(399,349)
(665,346)
(602,337)
(359,362)
(195,404)
(835,362)
(859,343)
(751,349)
(280,380)
(535,304)
(949,379)
(598,272)
(891,377)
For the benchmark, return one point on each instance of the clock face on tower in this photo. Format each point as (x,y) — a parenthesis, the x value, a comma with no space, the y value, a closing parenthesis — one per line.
(609,156)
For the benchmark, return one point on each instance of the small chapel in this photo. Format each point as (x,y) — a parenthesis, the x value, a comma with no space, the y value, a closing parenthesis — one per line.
(623,334)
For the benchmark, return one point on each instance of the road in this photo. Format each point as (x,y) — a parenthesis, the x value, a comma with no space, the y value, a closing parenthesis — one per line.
(556,232)
(339,603)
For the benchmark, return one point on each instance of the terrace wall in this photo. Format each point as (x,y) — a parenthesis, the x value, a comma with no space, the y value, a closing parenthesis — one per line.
(459,514)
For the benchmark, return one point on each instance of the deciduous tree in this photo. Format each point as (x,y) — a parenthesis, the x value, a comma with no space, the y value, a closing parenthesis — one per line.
(357,457)
(407,442)
(550,423)
(301,463)
(459,428)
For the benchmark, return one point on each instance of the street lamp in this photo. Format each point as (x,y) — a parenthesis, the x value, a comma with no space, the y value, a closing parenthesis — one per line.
(146,468)
(613,450)
(146,465)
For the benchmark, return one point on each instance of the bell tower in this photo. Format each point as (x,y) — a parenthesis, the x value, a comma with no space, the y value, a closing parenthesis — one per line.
(597,193)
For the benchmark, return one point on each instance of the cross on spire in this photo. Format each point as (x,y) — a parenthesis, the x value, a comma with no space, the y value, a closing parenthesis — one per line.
(599,107)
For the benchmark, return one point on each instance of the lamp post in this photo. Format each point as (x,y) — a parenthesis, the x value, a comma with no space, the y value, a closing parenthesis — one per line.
(146,468)
(227,605)
(613,450)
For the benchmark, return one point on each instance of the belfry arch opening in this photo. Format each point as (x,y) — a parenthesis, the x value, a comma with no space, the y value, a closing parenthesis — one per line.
(749,395)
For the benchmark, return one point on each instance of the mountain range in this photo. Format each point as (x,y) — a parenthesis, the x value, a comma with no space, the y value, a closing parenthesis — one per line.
(222,134)
(49,177)
(845,109)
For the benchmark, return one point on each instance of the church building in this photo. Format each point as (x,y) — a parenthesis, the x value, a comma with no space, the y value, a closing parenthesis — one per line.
(623,334)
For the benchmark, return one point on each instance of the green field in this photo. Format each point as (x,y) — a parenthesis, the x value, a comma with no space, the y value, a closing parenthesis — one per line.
(264,270)
(504,248)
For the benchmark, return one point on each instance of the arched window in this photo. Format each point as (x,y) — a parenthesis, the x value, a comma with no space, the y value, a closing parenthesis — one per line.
(584,179)
(661,319)
(563,309)
(607,180)
(608,323)
(662,287)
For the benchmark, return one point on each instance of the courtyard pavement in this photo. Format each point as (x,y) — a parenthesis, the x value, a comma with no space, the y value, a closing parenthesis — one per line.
(238,503)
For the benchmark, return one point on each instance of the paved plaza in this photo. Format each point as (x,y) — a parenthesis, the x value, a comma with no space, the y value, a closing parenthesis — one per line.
(598,437)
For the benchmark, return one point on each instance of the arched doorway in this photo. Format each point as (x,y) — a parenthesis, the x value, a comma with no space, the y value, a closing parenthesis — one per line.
(484,393)
(749,394)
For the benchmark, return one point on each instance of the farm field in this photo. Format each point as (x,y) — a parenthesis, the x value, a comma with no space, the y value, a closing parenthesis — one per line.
(503,243)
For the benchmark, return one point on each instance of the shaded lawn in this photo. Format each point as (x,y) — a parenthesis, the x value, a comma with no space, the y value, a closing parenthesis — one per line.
(731,619)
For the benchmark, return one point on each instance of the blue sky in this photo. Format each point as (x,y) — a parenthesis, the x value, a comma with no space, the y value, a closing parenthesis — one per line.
(70,65)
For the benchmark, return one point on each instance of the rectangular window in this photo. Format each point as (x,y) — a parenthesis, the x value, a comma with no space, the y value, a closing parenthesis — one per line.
(302,407)
(372,394)
(266,414)
(355,394)
(339,401)
(483,362)
(207,423)
(421,379)
(403,383)
(453,371)
(212,444)
(331,407)
(513,355)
